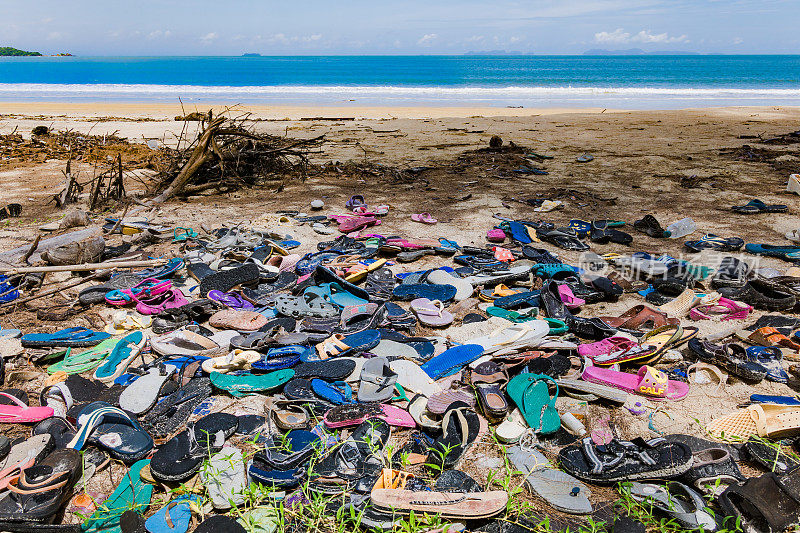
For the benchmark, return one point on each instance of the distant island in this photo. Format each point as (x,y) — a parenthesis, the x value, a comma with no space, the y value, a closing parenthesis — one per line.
(7,51)
(635,52)
(251,54)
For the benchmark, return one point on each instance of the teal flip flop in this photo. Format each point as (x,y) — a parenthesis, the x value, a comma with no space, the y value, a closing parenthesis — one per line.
(557,327)
(531,394)
(131,494)
(242,384)
(513,316)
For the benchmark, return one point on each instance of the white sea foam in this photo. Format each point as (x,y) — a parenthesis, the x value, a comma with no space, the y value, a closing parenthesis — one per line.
(632,97)
(472,91)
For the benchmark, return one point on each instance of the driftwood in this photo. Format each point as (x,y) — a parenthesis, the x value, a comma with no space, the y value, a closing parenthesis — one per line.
(71,189)
(13,256)
(108,185)
(48,292)
(228,154)
(85,267)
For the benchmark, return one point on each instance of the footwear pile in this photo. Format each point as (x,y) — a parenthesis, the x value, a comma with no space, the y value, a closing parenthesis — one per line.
(259,382)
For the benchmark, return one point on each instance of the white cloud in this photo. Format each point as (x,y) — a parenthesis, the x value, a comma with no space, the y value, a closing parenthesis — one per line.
(209,38)
(55,36)
(617,36)
(312,38)
(427,39)
(647,37)
(475,39)
(738,40)
(158,34)
(620,36)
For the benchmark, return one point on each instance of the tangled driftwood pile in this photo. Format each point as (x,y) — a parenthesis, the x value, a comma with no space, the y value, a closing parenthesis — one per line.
(228,154)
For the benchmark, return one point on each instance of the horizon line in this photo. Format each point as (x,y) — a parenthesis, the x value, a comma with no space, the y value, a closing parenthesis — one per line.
(252,55)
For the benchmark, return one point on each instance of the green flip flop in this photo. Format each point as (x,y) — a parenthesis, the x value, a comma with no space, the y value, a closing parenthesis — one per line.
(131,494)
(240,385)
(557,327)
(531,394)
(513,316)
(84,361)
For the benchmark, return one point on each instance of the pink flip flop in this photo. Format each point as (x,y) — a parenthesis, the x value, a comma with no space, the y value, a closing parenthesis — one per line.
(606,346)
(425,218)
(431,313)
(496,235)
(357,223)
(724,309)
(648,382)
(568,297)
(394,416)
(170,299)
(22,413)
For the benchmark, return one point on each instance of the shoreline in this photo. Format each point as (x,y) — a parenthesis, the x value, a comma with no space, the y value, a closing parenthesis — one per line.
(109,111)
(168,111)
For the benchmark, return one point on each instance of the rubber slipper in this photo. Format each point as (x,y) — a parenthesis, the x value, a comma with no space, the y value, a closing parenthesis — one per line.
(531,395)
(124,352)
(113,430)
(559,489)
(131,494)
(647,382)
(240,385)
(142,394)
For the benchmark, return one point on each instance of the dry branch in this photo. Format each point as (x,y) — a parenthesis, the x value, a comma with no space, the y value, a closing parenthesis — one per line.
(227,154)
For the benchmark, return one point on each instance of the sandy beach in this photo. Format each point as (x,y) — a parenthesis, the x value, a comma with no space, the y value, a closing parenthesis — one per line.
(673,164)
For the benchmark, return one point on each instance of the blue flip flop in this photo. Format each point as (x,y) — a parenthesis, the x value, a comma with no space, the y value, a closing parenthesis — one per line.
(180,516)
(355,343)
(450,361)
(770,250)
(403,275)
(337,393)
(77,337)
(283,357)
(164,271)
(517,231)
(443,293)
(7,292)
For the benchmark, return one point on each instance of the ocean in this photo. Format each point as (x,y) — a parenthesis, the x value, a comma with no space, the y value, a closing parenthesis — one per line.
(629,82)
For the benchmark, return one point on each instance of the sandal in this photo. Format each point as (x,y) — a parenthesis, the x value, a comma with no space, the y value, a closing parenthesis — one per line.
(531,394)
(679,502)
(488,379)
(619,460)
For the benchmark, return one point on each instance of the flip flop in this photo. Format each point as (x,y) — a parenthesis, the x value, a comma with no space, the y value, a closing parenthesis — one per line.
(411,377)
(559,489)
(18,412)
(76,337)
(125,351)
(431,313)
(174,517)
(452,360)
(240,385)
(531,394)
(648,382)
(424,218)
(112,430)
(131,494)
(84,361)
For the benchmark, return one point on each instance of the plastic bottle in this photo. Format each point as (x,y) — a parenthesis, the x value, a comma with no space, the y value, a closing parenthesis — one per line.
(681,228)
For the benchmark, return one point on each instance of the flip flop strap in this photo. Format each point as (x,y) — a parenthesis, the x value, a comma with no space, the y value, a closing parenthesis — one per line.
(14,399)
(91,423)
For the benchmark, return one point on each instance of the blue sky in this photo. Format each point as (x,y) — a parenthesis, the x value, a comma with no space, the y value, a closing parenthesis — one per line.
(231,27)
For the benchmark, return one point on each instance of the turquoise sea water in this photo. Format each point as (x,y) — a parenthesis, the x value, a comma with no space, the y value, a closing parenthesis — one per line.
(636,82)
